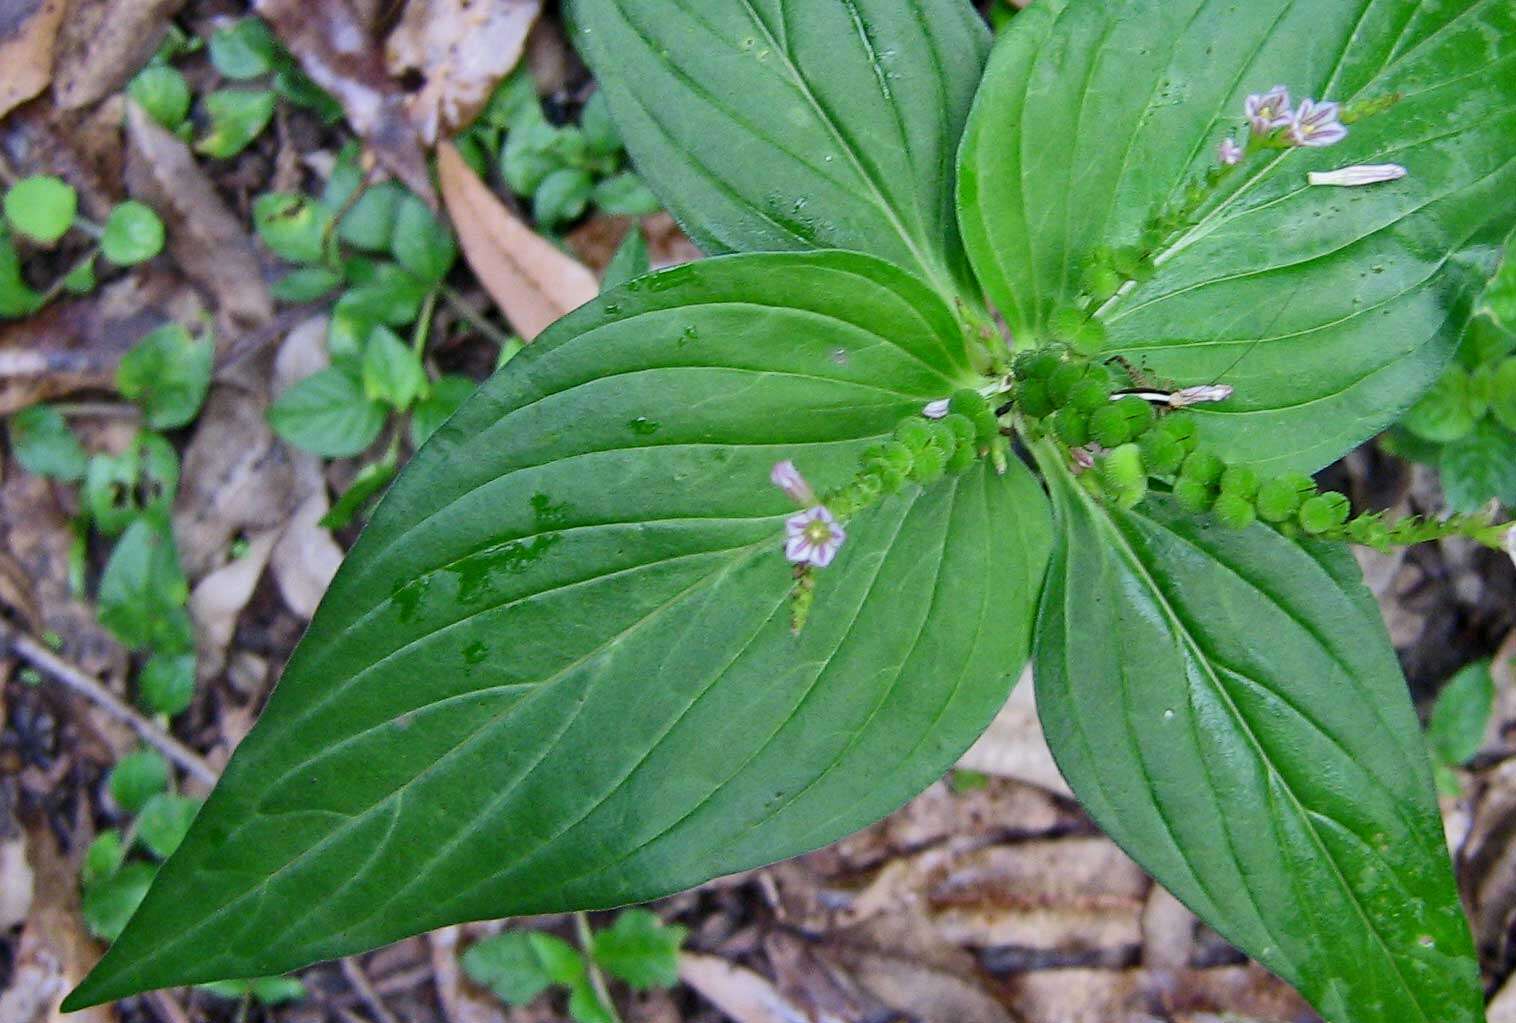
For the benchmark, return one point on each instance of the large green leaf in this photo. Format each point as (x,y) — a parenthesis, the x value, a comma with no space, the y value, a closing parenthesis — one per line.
(557,670)
(1228,708)
(797,124)
(1329,309)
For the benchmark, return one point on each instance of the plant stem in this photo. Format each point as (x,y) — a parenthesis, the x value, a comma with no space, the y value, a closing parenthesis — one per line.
(71,677)
(597,978)
(57,286)
(458,305)
(424,323)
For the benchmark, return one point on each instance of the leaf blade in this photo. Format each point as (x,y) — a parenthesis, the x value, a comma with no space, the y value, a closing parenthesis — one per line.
(1244,773)
(786,126)
(1330,310)
(638,543)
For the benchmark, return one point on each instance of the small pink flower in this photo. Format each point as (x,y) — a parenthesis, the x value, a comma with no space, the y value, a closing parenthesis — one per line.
(1269,110)
(1230,153)
(936,409)
(1362,174)
(1316,125)
(788,479)
(813,537)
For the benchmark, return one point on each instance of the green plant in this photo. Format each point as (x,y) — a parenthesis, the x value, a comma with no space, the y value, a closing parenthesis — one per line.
(386,257)
(1466,424)
(638,949)
(40,211)
(560,169)
(743,554)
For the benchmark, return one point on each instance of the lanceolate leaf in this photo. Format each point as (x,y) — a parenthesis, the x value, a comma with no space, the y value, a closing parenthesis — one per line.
(1228,708)
(1329,309)
(558,671)
(796,124)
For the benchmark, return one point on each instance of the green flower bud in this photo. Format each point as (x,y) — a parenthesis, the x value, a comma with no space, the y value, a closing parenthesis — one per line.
(1031,396)
(1234,510)
(1035,365)
(1090,339)
(1370,531)
(1203,467)
(962,428)
(1062,382)
(1091,393)
(1324,512)
(1109,426)
(892,460)
(941,436)
(962,460)
(1193,495)
(1101,282)
(1279,499)
(1241,481)
(1139,414)
(1072,426)
(1162,453)
(1124,474)
(929,465)
(1180,426)
(914,433)
(976,408)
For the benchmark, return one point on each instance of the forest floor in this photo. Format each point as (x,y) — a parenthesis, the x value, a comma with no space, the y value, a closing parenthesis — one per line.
(991,898)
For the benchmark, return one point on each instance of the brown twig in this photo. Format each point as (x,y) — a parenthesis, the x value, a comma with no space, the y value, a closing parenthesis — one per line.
(353,971)
(75,679)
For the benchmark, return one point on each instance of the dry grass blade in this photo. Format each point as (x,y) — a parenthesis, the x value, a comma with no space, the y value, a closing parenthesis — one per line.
(528,277)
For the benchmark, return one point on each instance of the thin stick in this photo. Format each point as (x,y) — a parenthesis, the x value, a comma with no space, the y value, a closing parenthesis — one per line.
(353,971)
(597,979)
(475,319)
(71,677)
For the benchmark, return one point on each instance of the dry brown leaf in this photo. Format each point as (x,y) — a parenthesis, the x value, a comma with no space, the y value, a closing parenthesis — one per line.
(743,995)
(238,477)
(1013,746)
(28,32)
(462,48)
(54,953)
(335,48)
(219,598)
(306,557)
(103,44)
(532,281)
(461,1001)
(209,242)
(906,964)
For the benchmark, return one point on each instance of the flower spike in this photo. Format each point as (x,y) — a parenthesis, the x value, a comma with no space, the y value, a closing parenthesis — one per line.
(813,537)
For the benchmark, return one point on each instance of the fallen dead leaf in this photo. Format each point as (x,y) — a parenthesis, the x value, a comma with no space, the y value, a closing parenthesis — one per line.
(745,996)
(462,48)
(28,32)
(53,953)
(104,44)
(238,477)
(532,281)
(1013,746)
(76,345)
(306,557)
(336,49)
(461,1001)
(906,964)
(206,238)
(219,598)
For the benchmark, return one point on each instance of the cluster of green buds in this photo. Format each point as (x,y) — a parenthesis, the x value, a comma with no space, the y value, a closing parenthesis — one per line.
(948,438)
(1119,440)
